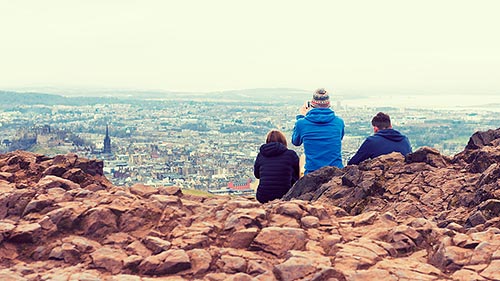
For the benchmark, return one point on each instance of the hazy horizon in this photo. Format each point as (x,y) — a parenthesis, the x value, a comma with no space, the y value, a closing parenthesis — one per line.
(388,46)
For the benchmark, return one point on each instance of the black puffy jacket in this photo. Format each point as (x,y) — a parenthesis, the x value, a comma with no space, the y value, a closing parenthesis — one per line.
(277,167)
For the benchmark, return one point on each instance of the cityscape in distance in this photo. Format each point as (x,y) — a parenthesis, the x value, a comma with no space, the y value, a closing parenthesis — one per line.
(209,141)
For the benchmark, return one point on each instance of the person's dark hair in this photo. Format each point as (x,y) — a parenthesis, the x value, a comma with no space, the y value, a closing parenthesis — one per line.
(276,136)
(381,121)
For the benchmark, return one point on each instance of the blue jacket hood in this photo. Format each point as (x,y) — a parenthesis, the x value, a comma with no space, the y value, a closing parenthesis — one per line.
(272,149)
(391,135)
(320,115)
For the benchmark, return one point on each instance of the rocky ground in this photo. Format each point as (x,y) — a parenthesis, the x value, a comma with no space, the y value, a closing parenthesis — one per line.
(426,217)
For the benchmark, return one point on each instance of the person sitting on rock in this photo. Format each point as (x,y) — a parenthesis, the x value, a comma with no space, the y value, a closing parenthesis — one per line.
(384,141)
(276,166)
(321,132)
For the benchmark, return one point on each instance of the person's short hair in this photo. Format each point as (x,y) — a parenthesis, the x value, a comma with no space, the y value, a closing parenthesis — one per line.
(381,121)
(276,136)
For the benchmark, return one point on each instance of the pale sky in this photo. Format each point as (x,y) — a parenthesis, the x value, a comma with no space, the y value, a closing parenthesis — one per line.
(424,46)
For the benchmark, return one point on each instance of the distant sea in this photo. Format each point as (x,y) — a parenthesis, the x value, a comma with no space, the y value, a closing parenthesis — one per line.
(439,101)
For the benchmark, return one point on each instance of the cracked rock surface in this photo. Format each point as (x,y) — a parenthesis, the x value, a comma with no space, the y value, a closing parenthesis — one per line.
(423,217)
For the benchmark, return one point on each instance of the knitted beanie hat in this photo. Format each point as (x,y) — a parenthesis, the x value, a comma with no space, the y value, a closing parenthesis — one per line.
(320,98)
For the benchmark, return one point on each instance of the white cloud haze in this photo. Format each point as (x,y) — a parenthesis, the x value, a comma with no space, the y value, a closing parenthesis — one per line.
(422,46)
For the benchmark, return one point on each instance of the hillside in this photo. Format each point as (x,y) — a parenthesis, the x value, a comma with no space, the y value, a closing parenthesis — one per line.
(129,96)
(12,99)
(426,217)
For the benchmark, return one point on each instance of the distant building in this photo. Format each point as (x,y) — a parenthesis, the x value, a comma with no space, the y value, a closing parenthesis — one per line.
(239,185)
(235,188)
(107,143)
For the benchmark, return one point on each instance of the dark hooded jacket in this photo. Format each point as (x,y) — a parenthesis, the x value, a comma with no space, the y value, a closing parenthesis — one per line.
(382,142)
(277,167)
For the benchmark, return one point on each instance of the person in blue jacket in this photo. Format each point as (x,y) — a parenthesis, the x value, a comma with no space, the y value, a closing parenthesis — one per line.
(321,132)
(276,166)
(384,141)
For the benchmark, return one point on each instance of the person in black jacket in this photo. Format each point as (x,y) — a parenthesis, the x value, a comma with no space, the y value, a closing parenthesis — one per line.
(276,166)
(384,141)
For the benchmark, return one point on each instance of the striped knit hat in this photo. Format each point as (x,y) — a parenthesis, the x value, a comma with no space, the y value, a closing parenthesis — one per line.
(321,98)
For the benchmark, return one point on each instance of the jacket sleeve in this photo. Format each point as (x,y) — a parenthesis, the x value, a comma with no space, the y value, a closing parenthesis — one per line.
(409,145)
(363,153)
(296,167)
(296,137)
(256,167)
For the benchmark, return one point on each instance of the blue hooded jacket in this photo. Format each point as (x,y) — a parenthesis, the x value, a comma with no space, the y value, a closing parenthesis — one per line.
(382,142)
(322,133)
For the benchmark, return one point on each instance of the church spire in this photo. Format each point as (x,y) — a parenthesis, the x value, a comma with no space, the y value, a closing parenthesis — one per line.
(107,142)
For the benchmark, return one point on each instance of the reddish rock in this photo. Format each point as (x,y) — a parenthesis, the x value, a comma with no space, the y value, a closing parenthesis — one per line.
(351,257)
(39,205)
(49,182)
(166,200)
(124,277)
(98,222)
(26,233)
(283,221)
(290,209)
(13,203)
(492,272)
(428,219)
(280,240)
(8,177)
(230,264)
(242,238)
(67,252)
(9,275)
(466,275)
(5,229)
(301,264)
(65,216)
(85,275)
(200,261)
(481,139)
(109,258)
(309,222)
(372,274)
(92,167)
(6,187)
(55,170)
(429,156)
(156,245)
(120,239)
(168,262)
(169,190)
(411,269)
(243,218)
(307,186)
(219,276)
(240,277)
(82,244)
(142,190)
(328,243)
(451,257)
(132,262)
(137,248)
(8,251)
(138,217)
(259,267)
